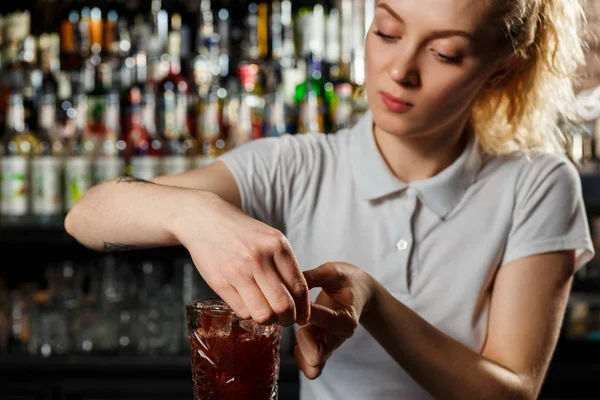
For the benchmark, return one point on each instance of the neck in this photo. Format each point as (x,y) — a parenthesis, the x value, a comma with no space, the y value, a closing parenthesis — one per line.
(419,158)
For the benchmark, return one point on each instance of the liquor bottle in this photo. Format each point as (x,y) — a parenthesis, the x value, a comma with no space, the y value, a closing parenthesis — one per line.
(111,46)
(210,137)
(343,108)
(108,163)
(277,110)
(149,121)
(224,29)
(143,162)
(313,99)
(276,32)
(333,44)
(96,109)
(263,30)
(78,168)
(96,25)
(30,81)
(19,146)
(50,63)
(172,109)
(46,166)
(253,75)
(64,117)
(70,59)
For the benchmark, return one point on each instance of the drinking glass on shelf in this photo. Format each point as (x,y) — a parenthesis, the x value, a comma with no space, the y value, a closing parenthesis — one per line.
(50,326)
(22,300)
(231,358)
(157,321)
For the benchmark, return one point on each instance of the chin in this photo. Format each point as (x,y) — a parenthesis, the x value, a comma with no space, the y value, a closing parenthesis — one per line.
(400,125)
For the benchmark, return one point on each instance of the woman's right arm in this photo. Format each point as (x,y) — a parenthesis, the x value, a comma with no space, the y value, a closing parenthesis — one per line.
(130,213)
(248,263)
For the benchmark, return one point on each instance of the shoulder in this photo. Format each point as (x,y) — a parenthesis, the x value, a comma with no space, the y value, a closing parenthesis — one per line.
(534,172)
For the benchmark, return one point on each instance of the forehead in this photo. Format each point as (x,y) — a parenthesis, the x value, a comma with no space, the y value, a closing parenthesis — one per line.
(470,15)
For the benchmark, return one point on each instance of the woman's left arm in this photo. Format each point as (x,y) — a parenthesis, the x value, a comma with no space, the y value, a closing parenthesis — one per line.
(527,307)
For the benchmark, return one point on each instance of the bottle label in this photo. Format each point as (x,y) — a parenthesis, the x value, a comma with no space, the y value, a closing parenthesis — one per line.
(145,167)
(45,186)
(13,182)
(175,165)
(107,168)
(78,179)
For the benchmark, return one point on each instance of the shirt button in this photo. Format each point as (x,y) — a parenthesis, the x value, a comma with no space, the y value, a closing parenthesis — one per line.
(402,245)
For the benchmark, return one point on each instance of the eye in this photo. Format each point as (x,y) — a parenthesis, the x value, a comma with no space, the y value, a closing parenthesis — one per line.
(385,38)
(449,59)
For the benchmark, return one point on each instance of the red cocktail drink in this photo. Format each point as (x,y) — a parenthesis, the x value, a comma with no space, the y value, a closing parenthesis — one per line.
(232,359)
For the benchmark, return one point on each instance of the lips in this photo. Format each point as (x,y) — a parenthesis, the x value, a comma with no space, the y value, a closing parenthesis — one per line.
(396,104)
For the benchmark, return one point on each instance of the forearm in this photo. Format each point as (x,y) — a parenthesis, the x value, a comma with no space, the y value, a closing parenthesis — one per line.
(126,213)
(444,367)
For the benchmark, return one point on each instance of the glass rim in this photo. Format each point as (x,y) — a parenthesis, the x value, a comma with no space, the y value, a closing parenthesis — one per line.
(209,304)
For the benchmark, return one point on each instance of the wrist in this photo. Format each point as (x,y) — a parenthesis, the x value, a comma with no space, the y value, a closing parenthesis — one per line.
(188,205)
(372,296)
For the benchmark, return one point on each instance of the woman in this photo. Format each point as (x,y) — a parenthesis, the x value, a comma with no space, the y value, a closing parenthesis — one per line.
(446,222)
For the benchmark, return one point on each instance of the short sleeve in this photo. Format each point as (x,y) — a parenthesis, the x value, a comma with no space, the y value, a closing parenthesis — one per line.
(269,173)
(549,213)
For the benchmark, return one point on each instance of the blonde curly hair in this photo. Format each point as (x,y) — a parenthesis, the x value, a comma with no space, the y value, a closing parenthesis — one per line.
(525,111)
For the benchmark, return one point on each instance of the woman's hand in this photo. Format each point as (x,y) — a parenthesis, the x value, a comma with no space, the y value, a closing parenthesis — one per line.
(335,314)
(250,265)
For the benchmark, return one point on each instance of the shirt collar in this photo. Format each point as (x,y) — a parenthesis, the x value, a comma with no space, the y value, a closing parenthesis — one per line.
(440,193)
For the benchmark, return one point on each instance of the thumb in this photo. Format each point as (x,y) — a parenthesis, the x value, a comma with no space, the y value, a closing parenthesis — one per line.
(327,276)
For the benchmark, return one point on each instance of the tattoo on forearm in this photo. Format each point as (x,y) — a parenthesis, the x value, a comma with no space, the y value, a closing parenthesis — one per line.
(132,179)
(120,247)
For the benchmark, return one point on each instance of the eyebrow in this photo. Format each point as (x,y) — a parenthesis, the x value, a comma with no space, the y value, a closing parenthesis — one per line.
(436,34)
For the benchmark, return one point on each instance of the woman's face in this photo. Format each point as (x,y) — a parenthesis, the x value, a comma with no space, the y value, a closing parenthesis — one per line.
(427,60)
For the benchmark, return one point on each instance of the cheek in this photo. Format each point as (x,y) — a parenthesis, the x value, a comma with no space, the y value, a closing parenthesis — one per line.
(451,90)
(375,63)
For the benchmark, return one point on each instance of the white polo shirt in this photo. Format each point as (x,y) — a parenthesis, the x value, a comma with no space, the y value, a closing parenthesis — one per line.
(435,244)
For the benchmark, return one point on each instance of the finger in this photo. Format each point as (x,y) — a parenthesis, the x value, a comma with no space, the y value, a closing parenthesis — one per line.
(259,307)
(336,322)
(328,276)
(289,270)
(234,301)
(310,372)
(311,343)
(280,300)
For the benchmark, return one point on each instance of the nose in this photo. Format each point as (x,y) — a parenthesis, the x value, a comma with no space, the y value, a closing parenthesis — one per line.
(404,71)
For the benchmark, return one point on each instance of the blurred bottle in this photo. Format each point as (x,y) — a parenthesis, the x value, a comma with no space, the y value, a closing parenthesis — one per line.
(143,163)
(78,169)
(46,167)
(108,163)
(19,146)
(278,112)
(313,100)
(210,136)
(96,108)
(30,82)
(172,109)
(70,59)
(50,63)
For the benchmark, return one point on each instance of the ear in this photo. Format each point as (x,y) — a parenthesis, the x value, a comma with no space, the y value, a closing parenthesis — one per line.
(502,70)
